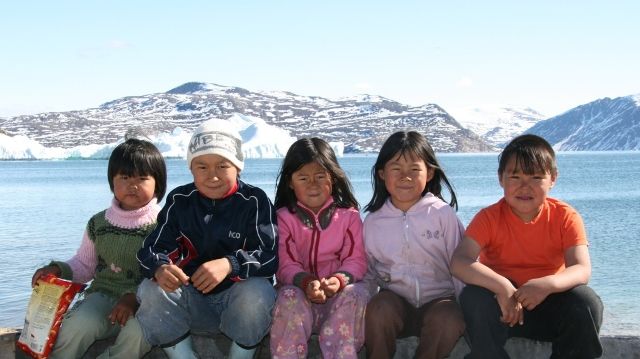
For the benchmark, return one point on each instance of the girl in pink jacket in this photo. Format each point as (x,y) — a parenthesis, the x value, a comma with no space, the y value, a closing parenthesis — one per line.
(321,256)
(410,234)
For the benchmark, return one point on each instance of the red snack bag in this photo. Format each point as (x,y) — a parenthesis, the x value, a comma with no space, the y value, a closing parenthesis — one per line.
(49,301)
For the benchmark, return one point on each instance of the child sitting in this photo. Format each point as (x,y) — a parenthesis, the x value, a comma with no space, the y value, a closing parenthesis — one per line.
(212,257)
(321,256)
(526,263)
(410,234)
(107,255)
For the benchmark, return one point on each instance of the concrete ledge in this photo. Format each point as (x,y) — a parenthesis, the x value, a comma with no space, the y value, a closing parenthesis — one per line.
(622,347)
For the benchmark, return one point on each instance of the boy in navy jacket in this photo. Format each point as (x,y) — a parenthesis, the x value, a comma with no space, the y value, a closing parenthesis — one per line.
(212,257)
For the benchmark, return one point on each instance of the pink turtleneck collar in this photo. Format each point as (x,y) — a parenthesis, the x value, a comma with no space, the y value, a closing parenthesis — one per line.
(132,219)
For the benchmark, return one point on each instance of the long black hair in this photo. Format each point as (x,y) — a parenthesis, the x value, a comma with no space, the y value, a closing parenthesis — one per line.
(135,157)
(308,150)
(404,143)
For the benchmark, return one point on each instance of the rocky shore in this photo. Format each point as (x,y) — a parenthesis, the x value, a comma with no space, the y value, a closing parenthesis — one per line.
(623,347)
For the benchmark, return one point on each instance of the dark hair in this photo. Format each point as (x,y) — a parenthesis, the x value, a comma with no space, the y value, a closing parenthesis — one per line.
(533,154)
(308,150)
(136,157)
(404,143)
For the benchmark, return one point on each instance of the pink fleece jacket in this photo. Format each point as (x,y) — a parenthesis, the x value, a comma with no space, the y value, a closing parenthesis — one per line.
(321,252)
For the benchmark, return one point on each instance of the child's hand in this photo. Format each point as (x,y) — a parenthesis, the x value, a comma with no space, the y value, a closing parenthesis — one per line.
(511,309)
(330,286)
(124,309)
(534,292)
(315,293)
(210,274)
(51,269)
(170,277)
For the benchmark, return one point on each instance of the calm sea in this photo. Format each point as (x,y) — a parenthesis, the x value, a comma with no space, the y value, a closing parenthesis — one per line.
(45,205)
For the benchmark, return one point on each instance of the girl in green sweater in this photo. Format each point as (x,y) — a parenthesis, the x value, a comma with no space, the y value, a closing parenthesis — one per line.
(107,255)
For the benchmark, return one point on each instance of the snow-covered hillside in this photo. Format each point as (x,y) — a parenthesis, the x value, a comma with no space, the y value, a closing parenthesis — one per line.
(602,125)
(362,123)
(497,124)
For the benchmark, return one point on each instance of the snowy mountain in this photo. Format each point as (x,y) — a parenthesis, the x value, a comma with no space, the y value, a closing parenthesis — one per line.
(601,125)
(497,125)
(260,140)
(362,123)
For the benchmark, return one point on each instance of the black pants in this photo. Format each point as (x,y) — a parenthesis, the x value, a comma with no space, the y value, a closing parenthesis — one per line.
(570,320)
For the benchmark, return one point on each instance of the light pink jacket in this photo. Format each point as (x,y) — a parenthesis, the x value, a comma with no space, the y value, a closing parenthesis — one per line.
(321,252)
(409,252)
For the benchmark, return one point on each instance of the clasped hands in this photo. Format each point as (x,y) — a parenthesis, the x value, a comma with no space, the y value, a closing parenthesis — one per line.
(515,301)
(170,277)
(319,290)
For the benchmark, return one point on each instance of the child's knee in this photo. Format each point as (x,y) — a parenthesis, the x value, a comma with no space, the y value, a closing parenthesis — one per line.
(358,291)
(253,296)
(584,306)
(147,288)
(447,315)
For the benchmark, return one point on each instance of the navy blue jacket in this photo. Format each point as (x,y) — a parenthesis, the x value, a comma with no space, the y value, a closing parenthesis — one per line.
(193,229)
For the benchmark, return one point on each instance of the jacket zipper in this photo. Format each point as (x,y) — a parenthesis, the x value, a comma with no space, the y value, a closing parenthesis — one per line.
(406,239)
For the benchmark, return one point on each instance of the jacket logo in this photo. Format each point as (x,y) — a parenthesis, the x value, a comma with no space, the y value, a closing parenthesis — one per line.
(234,235)
(432,235)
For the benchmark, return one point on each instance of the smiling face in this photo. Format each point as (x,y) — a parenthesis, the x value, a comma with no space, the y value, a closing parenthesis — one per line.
(133,192)
(405,178)
(213,175)
(525,193)
(311,185)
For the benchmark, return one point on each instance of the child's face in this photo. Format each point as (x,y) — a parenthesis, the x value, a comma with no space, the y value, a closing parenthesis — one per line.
(405,177)
(213,175)
(311,185)
(525,193)
(133,192)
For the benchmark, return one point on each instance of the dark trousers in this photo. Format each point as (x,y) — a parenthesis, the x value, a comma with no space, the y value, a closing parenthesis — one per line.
(570,320)
(437,324)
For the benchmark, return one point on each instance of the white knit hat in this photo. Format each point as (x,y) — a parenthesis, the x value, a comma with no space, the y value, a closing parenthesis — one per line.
(217,137)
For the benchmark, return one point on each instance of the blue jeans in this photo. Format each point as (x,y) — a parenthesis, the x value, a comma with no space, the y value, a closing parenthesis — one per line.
(242,312)
(87,322)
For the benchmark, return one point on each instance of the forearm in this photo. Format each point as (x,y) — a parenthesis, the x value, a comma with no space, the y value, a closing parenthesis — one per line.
(476,273)
(571,277)
(83,264)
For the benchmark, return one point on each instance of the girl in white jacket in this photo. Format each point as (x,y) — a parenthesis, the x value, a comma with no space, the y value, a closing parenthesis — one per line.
(410,234)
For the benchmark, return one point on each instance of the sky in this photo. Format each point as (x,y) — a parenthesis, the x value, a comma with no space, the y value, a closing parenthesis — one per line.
(550,56)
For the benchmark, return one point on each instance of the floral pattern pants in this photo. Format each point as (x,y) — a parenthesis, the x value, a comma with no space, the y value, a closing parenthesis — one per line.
(339,323)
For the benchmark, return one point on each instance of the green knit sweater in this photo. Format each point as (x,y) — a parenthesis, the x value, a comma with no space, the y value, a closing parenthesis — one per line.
(107,254)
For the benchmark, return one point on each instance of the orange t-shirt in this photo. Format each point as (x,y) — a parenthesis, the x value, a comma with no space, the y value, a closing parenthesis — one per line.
(522,251)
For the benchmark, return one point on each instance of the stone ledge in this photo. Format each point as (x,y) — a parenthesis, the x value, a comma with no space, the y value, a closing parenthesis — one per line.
(622,347)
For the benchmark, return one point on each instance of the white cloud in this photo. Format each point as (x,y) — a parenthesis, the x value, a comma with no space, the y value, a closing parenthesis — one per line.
(465,82)
(118,44)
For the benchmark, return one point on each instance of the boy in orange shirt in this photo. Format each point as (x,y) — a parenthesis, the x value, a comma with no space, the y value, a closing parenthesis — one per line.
(526,263)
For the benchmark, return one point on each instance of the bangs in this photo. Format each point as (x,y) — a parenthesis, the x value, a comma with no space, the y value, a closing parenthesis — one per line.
(132,164)
(413,152)
(532,162)
(532,154)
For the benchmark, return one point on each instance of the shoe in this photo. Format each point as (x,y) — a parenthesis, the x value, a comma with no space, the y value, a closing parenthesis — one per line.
(238,352)
(182,350)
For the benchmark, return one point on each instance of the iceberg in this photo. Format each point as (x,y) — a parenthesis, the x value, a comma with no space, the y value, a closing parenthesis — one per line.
(260,140)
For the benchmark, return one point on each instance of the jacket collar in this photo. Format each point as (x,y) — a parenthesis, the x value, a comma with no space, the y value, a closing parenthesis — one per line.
(323,217)
(426,200)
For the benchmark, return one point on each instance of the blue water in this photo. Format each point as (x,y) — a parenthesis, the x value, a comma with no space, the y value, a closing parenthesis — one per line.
(45,205)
